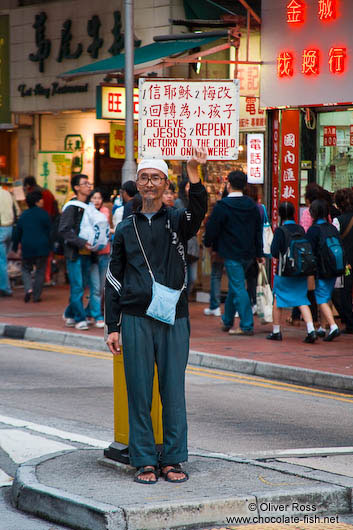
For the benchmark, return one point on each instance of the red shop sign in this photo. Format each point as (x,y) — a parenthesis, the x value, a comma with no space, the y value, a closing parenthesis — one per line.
(275,180)
(290,158)
(330,136)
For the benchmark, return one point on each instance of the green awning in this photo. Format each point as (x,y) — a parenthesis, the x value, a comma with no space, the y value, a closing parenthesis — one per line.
(145,54)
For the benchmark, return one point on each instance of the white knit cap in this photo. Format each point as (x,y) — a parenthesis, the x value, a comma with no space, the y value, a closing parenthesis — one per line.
(153,164)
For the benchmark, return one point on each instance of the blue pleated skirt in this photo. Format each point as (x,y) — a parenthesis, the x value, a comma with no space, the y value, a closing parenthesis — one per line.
(323,289)
(290,292)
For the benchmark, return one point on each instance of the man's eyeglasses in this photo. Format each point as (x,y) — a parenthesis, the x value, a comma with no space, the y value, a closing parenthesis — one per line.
(155,179)
(85,183)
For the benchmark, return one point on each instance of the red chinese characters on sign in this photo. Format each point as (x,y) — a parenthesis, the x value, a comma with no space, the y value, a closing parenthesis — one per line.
(351,135)
(327,9)
(311,62)
(295,12)
(337,60)
(285,64)
(290,158)
(330,136)
(255,158)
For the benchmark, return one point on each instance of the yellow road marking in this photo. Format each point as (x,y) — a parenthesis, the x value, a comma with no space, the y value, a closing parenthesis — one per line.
(68,350)
(194,370)
(268,483)
(277,386)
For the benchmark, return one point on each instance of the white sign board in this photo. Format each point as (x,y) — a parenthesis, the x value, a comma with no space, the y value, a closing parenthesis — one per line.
(255,158)
(177,115)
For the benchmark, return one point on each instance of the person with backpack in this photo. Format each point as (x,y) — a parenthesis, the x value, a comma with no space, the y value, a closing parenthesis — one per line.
(327,248)
(77,252)
(296,262)
(344,224)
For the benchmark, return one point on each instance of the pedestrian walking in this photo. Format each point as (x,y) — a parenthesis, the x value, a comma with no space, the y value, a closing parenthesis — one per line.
(344,224)
(235,227)
(325,279)
(96,199)
(127,193)
(169,195)
(8,214)
(289,291)
(33,231)
(145,290)
(77,252)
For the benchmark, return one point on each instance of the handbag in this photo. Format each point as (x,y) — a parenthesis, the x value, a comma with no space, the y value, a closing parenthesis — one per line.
(164,299)
(267,235)
(264,297)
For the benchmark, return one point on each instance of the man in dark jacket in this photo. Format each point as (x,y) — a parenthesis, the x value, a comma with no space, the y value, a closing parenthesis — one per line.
(33,232)
(235,224)
(163,233)
(77,253)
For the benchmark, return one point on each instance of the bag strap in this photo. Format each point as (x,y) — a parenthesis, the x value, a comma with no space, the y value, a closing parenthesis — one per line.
(142,249)
(262,277)
(348,229)
(266,219)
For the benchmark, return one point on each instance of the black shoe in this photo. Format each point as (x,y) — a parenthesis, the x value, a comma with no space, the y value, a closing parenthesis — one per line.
(28,296)
(5,293)
(332,335)
(274,336)
(311,337)
(226,328)
(347,331)
(321,333)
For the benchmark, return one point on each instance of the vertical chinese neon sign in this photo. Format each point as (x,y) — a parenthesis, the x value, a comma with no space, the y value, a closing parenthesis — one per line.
(290,158)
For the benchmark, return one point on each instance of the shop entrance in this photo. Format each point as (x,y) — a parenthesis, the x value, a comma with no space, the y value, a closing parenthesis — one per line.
(107,170)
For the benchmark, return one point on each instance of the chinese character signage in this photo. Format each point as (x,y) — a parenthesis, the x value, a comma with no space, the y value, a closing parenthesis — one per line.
(117,140)
(110,102)
(252,117)
(275,180)
(54,173)
(176,116)
(290,158)
(255,158)
(330,136)
(307,52)
(5,114)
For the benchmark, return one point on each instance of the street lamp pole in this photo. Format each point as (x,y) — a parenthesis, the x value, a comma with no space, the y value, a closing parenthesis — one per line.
(129,166)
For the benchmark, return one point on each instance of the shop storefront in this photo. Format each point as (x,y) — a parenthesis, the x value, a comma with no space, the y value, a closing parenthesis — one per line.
(307,76)
(55,120)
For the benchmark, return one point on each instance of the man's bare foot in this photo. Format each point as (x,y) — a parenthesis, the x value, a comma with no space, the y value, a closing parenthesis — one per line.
(174,473)
(146,475)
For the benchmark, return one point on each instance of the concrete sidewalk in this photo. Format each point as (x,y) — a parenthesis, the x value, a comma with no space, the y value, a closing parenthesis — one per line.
(83,490)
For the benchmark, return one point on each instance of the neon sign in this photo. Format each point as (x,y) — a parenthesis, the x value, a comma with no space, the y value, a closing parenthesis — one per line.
(337,60)
(310,62)
(285,64)
(327,9)
(295,12)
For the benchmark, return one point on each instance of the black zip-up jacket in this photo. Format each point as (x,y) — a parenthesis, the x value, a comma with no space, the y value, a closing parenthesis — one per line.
(235,226)
(128,286)
(69,228)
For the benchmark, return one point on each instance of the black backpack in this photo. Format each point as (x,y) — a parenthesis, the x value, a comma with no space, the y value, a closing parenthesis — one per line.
(298,258)
(56,238)
(330,259)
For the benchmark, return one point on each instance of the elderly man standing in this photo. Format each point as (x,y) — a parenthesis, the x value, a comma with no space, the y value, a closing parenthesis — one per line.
(149,246)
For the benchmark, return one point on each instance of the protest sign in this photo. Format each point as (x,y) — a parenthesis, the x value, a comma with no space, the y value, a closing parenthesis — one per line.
(176,116)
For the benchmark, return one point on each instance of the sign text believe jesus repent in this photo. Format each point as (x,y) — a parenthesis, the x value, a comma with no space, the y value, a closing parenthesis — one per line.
(176,116)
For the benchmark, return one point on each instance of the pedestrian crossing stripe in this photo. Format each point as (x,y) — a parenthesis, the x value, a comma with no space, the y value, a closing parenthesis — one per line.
(290,526)
(22,446)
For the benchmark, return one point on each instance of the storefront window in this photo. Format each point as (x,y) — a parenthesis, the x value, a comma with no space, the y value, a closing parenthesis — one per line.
(335,150)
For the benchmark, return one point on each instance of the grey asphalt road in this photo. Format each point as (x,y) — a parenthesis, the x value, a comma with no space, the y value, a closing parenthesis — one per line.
(228,413)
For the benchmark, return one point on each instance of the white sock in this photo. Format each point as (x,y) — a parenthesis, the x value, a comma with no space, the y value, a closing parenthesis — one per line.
(276,329)
(322,329)
(333,327)
(310,327)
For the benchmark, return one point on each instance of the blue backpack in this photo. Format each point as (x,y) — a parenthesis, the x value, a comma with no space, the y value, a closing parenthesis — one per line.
(330,258)
(298,259)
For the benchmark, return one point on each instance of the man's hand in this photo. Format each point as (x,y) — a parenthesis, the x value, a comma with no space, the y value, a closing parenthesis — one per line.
(88,246)
(199,157)
(261,260)
(113,343)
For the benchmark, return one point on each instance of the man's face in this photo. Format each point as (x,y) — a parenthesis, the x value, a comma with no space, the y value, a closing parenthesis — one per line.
(151,183)
(84,187)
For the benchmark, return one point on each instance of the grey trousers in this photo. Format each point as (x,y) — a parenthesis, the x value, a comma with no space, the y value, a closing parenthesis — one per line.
(27,267)
(146,341)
